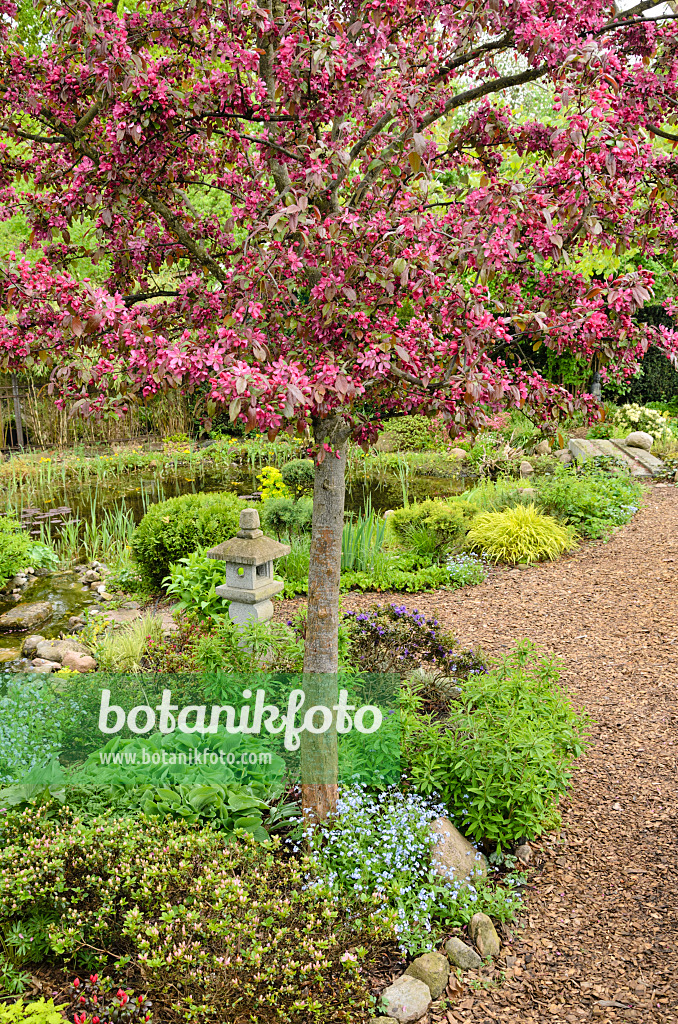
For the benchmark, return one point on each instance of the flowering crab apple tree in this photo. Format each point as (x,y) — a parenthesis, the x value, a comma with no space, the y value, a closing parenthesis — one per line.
(324,213)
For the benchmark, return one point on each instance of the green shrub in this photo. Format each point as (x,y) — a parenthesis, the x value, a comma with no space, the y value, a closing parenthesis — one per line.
(503,757)
(299,476)
(15,545)
(207,925)
(123,650)
(286,517)
(432,525)
(593,502)
(413,434)
(194,580)
(520,534)
(175,528)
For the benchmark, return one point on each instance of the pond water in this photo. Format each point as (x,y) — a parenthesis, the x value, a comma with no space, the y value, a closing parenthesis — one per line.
(67,597)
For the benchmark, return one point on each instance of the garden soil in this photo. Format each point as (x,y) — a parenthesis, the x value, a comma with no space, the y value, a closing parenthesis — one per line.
(598,938)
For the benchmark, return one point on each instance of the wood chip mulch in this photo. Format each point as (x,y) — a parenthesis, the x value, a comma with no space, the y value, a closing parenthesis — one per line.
(598,938)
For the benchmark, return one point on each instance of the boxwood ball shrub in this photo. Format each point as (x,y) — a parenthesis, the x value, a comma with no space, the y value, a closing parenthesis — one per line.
(175,528)
(413,434)
(299,476)
(520,534)
(442,522)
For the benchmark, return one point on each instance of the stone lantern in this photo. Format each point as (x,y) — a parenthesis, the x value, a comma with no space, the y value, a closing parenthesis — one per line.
(249,570)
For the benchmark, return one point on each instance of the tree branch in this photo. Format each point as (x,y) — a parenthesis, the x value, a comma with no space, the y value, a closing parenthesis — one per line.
(178,231)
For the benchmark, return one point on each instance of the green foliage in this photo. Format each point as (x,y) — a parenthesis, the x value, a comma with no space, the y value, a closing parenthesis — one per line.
(413,434)
(432,526)
(502,758)
(593,502)
(361,541)
(14,548)
(194,580)
(286,517)
(381,846)
(207,924)
(40,1012)
(520,534)
(42,556)
(299,476)
(249,648)
(175,528)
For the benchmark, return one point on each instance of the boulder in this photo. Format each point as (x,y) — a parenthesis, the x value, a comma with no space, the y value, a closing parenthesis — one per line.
(462,955)
(543,448)
(484,934)
(92,576)
(526,468)
(453,857)
(458,453)
(564,455)
(639,439)
(30,645)
(407,999)
(433,969)
(55,650)
(25,616)
(78,662)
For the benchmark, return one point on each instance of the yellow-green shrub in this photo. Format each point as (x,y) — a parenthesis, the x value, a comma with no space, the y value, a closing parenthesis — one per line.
(444,521)
(520,534)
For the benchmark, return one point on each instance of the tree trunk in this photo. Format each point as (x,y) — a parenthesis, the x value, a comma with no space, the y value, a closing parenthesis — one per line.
(319,759)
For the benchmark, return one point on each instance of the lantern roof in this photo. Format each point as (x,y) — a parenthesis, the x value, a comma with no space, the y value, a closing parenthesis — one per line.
(250,546)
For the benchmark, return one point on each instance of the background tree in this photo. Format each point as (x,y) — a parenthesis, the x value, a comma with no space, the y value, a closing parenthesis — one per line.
(313,209)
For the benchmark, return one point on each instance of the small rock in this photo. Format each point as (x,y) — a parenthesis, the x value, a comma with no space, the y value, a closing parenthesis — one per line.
(462,955)
(23,665)
(526,468)
(78,662)
(20,579)
(407,999)
(92,576)
(484,934)
(132,605)
(44,666)
(105,596)
(565,455)
(459,453)
(75,621)
(524,853)
(25,616)
(101,588)
(95,586)
(543,448)
(433,969)
(30,571)
(453,857)
(639,439)
(385,1020)
(30,645)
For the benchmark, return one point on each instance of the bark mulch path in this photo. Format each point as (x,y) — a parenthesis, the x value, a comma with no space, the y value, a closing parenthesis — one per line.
(599,935)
